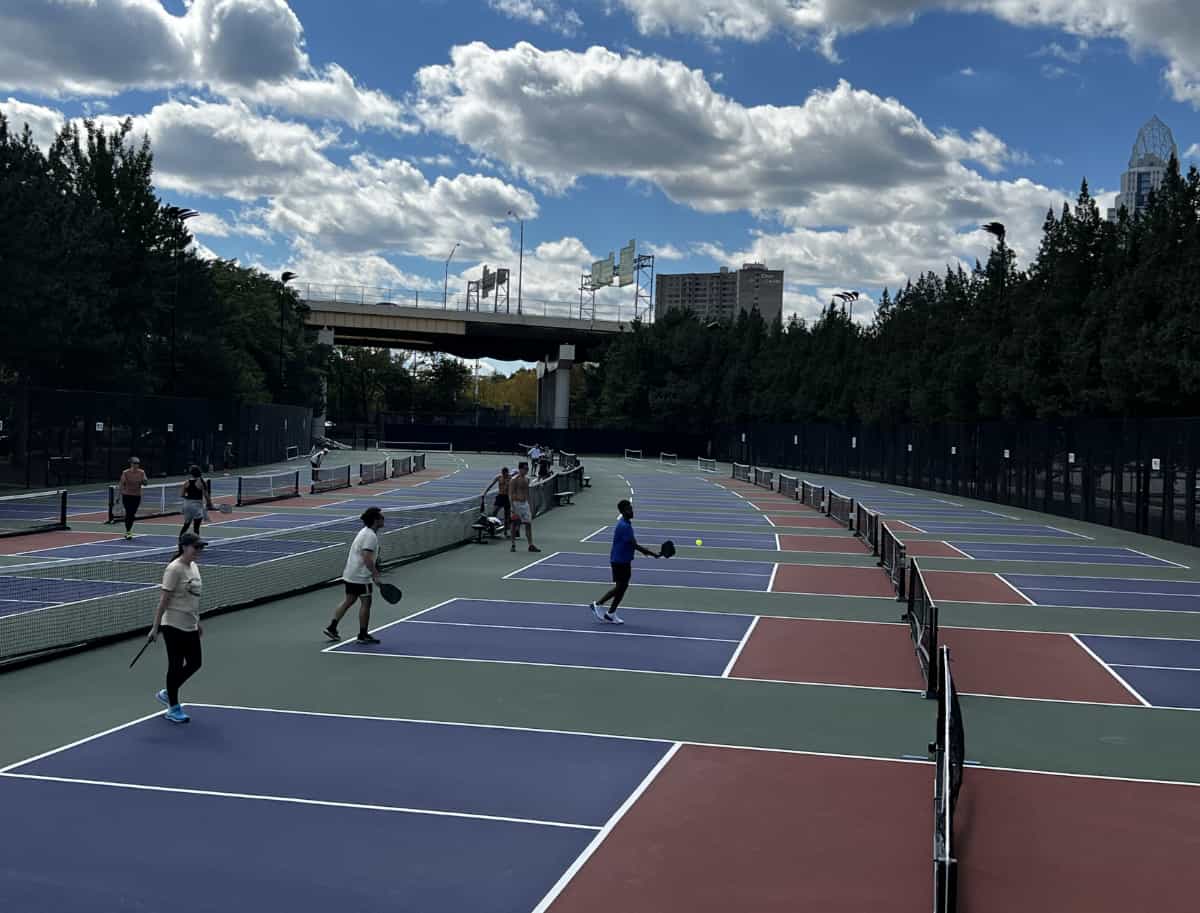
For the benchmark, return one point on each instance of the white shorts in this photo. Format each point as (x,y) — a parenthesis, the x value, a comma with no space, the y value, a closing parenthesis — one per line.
(194,510)
(522,512)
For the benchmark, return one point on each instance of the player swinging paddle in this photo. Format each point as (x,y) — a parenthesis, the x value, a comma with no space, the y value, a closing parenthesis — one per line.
(621,558)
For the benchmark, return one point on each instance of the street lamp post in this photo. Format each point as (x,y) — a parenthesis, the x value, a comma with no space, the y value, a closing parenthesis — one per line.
(180,215)
(520,259)
(446,281)
(284,280)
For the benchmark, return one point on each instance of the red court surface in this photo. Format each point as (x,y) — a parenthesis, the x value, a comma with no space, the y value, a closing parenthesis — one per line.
(16,544)
(971,586)
(783,505)
(215,518)
(1005,663)
(1040,843)
(834,545)
(932,548)
(820,580)
(803,521)
(724,830)
(899,526)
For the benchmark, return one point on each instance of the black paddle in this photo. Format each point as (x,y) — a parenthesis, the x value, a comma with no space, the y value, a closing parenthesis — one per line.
(390,592)
(141,651)
(667,549)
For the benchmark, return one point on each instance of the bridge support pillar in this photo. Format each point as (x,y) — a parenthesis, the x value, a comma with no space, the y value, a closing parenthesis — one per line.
(324,338)
(554,389)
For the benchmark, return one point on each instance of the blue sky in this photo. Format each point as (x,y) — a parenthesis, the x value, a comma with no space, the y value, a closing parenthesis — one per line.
(851,144)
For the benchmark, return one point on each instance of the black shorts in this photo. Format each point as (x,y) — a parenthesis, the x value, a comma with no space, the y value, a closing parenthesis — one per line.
(621,573)
(501,501)
(357,589)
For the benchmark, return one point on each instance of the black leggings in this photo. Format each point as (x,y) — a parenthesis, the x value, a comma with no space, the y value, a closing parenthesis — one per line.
(131,504)
(183,659)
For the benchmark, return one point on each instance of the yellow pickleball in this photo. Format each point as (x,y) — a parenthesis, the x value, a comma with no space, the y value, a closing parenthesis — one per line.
(699,541)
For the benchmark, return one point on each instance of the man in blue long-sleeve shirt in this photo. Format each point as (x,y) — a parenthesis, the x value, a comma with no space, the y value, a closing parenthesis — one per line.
(624,544)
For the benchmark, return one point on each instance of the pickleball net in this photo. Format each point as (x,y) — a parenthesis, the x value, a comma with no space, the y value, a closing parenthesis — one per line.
(267,487)
(632,454)
(668,459)
(949,754)
(840,508)
(41,512)
(330,478)
(763,478)
(789,486)
(56,605)
(892,557)
(165,500)
(372,472)
(922,618)
(703,464)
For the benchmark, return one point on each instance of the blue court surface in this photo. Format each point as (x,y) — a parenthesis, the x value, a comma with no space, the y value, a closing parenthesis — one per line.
(1165,672)
(564,634)
(1067,554)
(239,552)
(690,516)
(105,548)
(685,537)
(1108,592)
(26,594)
(295,521)
(310,813)
(707,573)
(938,527)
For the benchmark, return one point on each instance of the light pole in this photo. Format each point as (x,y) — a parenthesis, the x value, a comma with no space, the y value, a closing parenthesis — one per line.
(181,215)
(520,259)
(283,280)
(848,298)
(446,281)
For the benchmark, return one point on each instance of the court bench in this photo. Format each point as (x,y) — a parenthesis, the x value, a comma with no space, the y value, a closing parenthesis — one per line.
(564,497)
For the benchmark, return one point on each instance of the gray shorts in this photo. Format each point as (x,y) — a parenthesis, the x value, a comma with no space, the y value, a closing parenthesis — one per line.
(194,510)
(522,512)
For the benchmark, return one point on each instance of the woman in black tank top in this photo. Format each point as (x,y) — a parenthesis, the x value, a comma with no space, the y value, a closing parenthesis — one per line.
(196,499)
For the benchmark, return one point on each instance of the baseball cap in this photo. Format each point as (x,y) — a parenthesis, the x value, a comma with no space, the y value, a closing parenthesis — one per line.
(134,460)
(191,539)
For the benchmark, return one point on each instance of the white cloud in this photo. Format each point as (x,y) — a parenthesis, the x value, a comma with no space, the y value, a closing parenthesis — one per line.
(1073,55)
(247,49)
(43,122)
(1193,152)
(665,251)
(1169,28)
(967,71)
(546,13)
(210,224)
(1053,71)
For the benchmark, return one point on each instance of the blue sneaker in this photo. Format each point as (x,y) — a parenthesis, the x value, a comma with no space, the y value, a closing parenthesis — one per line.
(176,715)
(162,698)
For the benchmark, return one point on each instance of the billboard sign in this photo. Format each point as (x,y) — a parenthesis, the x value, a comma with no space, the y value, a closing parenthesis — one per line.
(602,272)
(625,270)
(489,281)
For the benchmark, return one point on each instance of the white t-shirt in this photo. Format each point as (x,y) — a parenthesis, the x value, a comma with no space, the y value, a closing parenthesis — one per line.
(182,581)
(356,570)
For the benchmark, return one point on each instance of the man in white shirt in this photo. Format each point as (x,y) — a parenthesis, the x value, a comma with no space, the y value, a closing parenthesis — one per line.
(359,576)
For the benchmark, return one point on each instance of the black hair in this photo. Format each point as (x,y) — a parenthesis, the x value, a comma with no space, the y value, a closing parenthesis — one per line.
(522,465)
(194,471)
(370,515)
(624,504)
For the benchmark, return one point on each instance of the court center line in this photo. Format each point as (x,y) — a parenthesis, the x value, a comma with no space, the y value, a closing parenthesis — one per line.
(295,800)
(531,564)
(1002,579)
(756,574)
(740,647)
(771,581)
(604,633)
(1160,668)
(1154,557)
(1111,671)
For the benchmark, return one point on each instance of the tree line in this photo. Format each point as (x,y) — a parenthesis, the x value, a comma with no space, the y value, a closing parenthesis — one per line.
(1105,321)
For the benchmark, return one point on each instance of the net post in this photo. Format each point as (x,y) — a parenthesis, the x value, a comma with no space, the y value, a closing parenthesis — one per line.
(62,515)
(239,501)
(112,514)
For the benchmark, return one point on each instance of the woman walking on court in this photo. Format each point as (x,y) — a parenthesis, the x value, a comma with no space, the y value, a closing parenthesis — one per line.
(501,497)
(360,574)
(178,618)
(133,480)
(624,544)
(197,500)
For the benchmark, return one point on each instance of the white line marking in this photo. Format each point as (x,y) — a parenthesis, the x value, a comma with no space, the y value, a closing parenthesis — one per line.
(78,742)
(1161,668)
(1069,533)
(740,647)
(996,513)
(591,848)
(293,800)
(1109,669)
(1028,601)
(771,582)
(957,549)
(588,537)
(1156,558)
(349,640)
(769,520)
(778,547)
(512,574)
(603,632)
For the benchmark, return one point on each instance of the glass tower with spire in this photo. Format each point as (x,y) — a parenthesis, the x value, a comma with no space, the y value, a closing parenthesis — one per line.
(1154,149)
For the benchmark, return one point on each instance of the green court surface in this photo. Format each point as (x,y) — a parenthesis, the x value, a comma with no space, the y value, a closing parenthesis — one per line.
(841,715)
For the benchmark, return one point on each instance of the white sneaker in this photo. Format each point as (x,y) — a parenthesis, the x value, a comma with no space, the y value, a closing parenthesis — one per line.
(596,611)
(614,619)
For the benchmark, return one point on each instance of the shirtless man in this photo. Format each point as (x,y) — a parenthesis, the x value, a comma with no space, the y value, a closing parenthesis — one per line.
(518,493)
(502,481)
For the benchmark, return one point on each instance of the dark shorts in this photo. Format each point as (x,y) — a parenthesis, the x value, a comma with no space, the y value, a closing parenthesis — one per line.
(622,572)
(501,501)
(357,589)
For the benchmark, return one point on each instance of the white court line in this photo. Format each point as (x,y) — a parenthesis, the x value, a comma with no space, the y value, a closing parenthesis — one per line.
(771,582)
(591,848)
(1068,532)
(78,742)
(294,800)
(1111,671)
(912,526)
(778,547)
(740,647)
(604,632)
(1071,589)
(1160,668)
(588,537)
(996,513)
(1153,557)
(531,564)
(670,571)
(349,640)
(1028,601)
(959,550)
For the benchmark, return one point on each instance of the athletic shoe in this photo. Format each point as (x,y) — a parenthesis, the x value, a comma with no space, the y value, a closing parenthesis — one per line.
(332,634)
(162,698)
(613,619)
(129,535)
(514,546)
(534,548)
(176,715)
(596,611)
(366,639)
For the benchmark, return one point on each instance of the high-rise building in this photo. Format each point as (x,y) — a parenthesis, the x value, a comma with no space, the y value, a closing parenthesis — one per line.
(724,294)
(1152,152)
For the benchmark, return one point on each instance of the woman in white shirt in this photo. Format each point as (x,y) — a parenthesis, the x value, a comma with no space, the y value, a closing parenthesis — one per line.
(178,618)
(362,571)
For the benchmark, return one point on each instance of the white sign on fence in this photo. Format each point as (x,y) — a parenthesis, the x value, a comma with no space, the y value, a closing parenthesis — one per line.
(953,451)
(910,448)
(796,440)
(170,426)
(1156,464)
(99,426)
(1071,458)
(1006,454)
(853,443)
(220,427)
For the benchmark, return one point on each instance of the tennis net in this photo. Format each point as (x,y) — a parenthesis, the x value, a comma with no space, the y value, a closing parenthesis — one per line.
(42,512)
(438,446)
(632,454)
(866,527)
(271,486)
(52,606)
(892,557)
(922,618)
(706,465)
(330,478)
(567,460)
(812,495)
(741,472)
(840,508)
(949,753)
(291,452)
(764,478)
(670,459)
(157,501)
(789,486)
(372,472)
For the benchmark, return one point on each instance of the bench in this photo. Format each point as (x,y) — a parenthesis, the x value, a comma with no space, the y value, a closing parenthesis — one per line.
(564,497)
(489,525)
(587,481)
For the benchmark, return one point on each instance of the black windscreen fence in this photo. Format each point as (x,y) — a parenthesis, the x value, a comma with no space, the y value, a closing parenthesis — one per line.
(1140,475)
